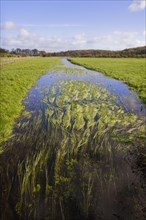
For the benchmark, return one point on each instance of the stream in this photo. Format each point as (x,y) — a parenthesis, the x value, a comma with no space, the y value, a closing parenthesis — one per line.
(126,98)
(75,152)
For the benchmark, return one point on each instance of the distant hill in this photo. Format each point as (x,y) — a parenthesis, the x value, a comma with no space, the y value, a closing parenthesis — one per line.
(131,52)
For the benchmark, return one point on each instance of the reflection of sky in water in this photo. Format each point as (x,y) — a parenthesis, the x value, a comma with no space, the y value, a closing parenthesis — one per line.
(126,98)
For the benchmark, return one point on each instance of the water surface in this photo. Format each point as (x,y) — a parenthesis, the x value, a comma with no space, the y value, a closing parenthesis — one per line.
(126,98)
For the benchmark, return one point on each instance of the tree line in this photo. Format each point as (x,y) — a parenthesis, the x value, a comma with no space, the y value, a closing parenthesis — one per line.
(21,52)
(130,52)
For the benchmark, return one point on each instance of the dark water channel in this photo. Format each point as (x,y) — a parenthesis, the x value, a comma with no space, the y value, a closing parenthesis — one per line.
(67,160)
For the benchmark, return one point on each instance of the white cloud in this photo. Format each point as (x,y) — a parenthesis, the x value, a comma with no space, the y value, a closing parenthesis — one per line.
(126,34)
(128,39)
(52,25)
(24,33)
(79,40)
(12,43)
(113,41)
(102,40)
(137,5)
(8,25)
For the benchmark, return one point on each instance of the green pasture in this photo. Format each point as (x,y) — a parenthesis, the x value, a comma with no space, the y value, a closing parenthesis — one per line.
(131,70)
(16,79)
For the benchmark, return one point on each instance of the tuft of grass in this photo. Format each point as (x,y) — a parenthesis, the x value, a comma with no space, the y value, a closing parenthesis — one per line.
(15,81)
(131,70)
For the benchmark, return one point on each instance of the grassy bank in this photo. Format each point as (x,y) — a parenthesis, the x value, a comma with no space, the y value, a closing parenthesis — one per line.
(130,70)
(16,79)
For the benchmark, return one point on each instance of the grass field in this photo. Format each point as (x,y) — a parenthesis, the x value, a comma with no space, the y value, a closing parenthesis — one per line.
(131,70)
(6,60)
(16,79)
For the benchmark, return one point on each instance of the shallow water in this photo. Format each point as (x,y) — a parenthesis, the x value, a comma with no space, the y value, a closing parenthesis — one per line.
(67,158)
(126,98)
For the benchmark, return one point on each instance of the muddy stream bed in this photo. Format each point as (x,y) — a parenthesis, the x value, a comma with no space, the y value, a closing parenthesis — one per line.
(77,150)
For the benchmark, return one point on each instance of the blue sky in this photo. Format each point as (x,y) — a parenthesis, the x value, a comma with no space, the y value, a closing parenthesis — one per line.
(68,25)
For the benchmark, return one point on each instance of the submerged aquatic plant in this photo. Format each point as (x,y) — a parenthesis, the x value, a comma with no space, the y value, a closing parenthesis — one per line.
(71,158)
(130,70)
